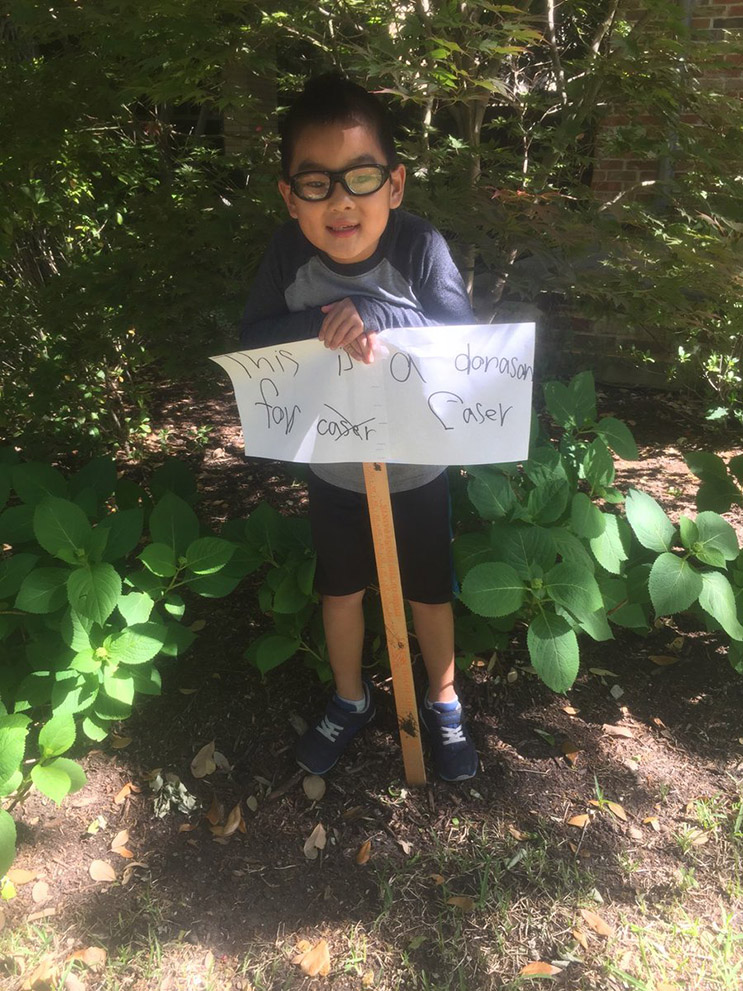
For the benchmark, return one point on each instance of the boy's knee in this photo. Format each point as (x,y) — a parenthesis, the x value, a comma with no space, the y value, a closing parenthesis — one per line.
(341,602)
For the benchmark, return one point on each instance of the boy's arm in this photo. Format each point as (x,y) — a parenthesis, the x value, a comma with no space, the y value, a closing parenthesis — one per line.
(266,319)
(437,285)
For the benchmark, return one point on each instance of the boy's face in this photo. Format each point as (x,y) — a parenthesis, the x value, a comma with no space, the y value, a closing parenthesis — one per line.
(345,227)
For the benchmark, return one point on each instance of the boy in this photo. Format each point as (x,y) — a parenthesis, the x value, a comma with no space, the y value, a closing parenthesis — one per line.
(347,266)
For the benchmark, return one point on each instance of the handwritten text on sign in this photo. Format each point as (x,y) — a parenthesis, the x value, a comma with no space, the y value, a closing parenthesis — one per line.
(434,395)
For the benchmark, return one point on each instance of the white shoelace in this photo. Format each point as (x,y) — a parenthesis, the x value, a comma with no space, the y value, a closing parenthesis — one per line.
(453,734)
(329,729)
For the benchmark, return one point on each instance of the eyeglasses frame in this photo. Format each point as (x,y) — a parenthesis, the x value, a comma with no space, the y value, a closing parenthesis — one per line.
(338,177)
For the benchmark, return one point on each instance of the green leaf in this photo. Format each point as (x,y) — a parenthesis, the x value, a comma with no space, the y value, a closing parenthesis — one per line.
(12,572)
(651,525)
(289,597)
(43,590)
(716,495)
(74,690)
(688,532)
(718,599)
(560,404)
(574,588)
(214,586)
(35,481)
(571,549)
(99,475)
(716,534)
(611,549)
(57,735)
(62,529)
(17,525)
(174,476)
(174,523)
(475,633)
(548,500)
(553,650)
(174,605)
(735,465)
(11,784)
(58,778)
(147,680)
(269,651)
(208,554)
(124,532)
(470,549)
(673,584)
(135,607)
(598,465)
(490,493)
(6,484)
(94,729)
(493,589)
(618,437)
(75,630)
(178,639)
(583,398)
(13,730)
(86,662)
(7,842)
(618,607)
(119,686)
(586,519)
(137,644)
(529,550)
(306,575)
(94,591)
(160,560)
(735,656)
(707,467)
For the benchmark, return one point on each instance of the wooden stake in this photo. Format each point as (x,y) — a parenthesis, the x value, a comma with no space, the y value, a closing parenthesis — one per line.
(393,608)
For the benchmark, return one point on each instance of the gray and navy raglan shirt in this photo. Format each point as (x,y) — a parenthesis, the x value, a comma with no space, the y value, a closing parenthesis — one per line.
(409,281)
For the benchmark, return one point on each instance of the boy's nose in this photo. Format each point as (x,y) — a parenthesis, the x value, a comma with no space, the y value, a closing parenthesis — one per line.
(338,195)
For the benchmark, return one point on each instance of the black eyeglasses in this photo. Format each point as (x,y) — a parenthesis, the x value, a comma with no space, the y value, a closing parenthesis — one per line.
(359,180)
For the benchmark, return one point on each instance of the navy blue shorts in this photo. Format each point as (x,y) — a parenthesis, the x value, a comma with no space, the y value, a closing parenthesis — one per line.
(342,536)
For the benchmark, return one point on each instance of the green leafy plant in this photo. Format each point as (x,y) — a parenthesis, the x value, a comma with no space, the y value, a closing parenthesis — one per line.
(91,594)
(547,557)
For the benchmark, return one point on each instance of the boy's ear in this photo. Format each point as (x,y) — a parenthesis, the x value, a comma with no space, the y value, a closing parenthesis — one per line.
(397,186)
(286,194)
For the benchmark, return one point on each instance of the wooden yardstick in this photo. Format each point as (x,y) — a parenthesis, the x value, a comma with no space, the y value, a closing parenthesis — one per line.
(393,608)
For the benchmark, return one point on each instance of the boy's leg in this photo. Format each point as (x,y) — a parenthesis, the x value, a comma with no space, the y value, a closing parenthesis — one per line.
(343,620)
(454,752)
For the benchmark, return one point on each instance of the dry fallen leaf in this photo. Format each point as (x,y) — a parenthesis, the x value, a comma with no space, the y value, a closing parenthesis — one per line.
(635,833)
(43,974)
(73,983)
(17,875)
(188,691)
(437,878)
(596,923)
(603,673)
(618,811)
(100,870)
(368,979)
(539,968)
(121,839)
(570,751)
(315,842)
(2,920)
(624,731)
(125,792)
(231,825)
(698,837)
(214,815)
(581,938)
(45,913)
(198,624)
(652,821)
(464,902)
(40,892)
(314,787)
(364,852)
(204,763)
(663,660)
(579,821)
(315,961)
(676,644)
(571,710)
(91,956)
(187,827)
(119,742)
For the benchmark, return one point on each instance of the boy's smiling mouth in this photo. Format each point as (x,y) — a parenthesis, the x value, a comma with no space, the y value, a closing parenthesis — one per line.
(342,230)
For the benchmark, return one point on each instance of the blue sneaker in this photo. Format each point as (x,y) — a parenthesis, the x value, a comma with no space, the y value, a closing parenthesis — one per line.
(319,749)
(454,754)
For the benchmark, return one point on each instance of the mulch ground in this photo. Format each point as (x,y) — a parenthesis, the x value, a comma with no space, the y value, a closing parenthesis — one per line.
(682,740)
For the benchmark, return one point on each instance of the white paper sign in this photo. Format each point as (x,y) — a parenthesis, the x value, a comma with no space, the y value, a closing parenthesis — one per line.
(434,395)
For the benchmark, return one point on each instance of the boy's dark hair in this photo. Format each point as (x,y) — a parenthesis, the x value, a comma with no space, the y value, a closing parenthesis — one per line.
(333,99)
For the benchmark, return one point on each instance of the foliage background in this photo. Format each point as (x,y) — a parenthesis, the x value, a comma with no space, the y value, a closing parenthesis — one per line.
(126,230)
